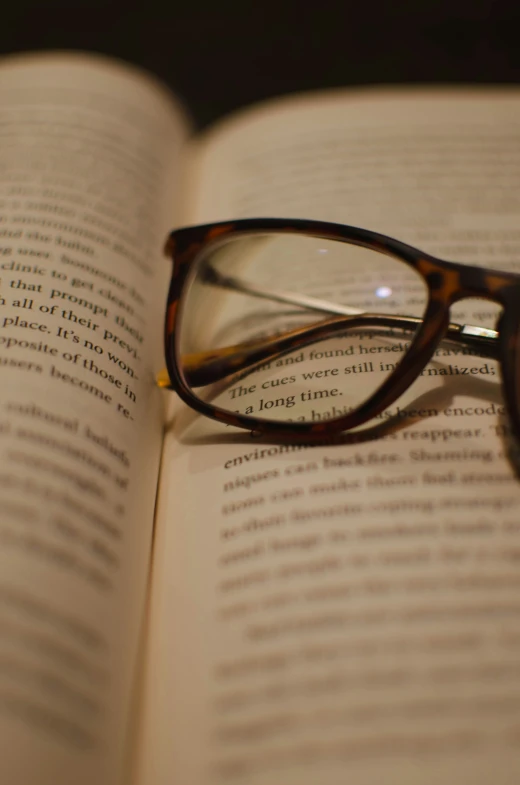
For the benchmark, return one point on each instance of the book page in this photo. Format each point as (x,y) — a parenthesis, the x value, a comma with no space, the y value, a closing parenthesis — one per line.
(349,613)
(88,155)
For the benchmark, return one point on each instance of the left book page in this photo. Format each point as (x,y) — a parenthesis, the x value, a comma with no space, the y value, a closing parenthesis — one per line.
(88,159)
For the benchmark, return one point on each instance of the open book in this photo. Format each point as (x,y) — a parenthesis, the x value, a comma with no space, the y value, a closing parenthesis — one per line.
(181,603)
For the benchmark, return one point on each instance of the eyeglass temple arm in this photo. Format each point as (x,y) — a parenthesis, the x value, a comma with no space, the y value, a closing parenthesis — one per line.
(464,333)
(212,366)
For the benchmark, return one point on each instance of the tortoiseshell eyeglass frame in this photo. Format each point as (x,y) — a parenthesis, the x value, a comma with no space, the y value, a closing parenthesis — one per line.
(447,282)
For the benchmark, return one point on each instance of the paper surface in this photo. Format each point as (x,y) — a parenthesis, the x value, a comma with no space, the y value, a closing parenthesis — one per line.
(350,612)
(85,202)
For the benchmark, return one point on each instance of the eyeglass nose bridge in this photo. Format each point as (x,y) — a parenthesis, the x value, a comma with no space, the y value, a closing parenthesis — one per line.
(460,282)
(452,282)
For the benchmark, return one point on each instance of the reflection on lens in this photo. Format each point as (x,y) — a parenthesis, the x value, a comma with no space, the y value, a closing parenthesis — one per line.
(288,327)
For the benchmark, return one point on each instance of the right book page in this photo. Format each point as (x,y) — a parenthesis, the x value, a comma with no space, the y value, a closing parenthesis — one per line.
(350,613)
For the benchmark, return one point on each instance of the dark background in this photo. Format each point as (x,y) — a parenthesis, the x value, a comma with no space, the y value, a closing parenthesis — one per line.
(223,54)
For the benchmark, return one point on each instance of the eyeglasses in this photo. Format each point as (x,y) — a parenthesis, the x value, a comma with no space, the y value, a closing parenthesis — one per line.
(304,329)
